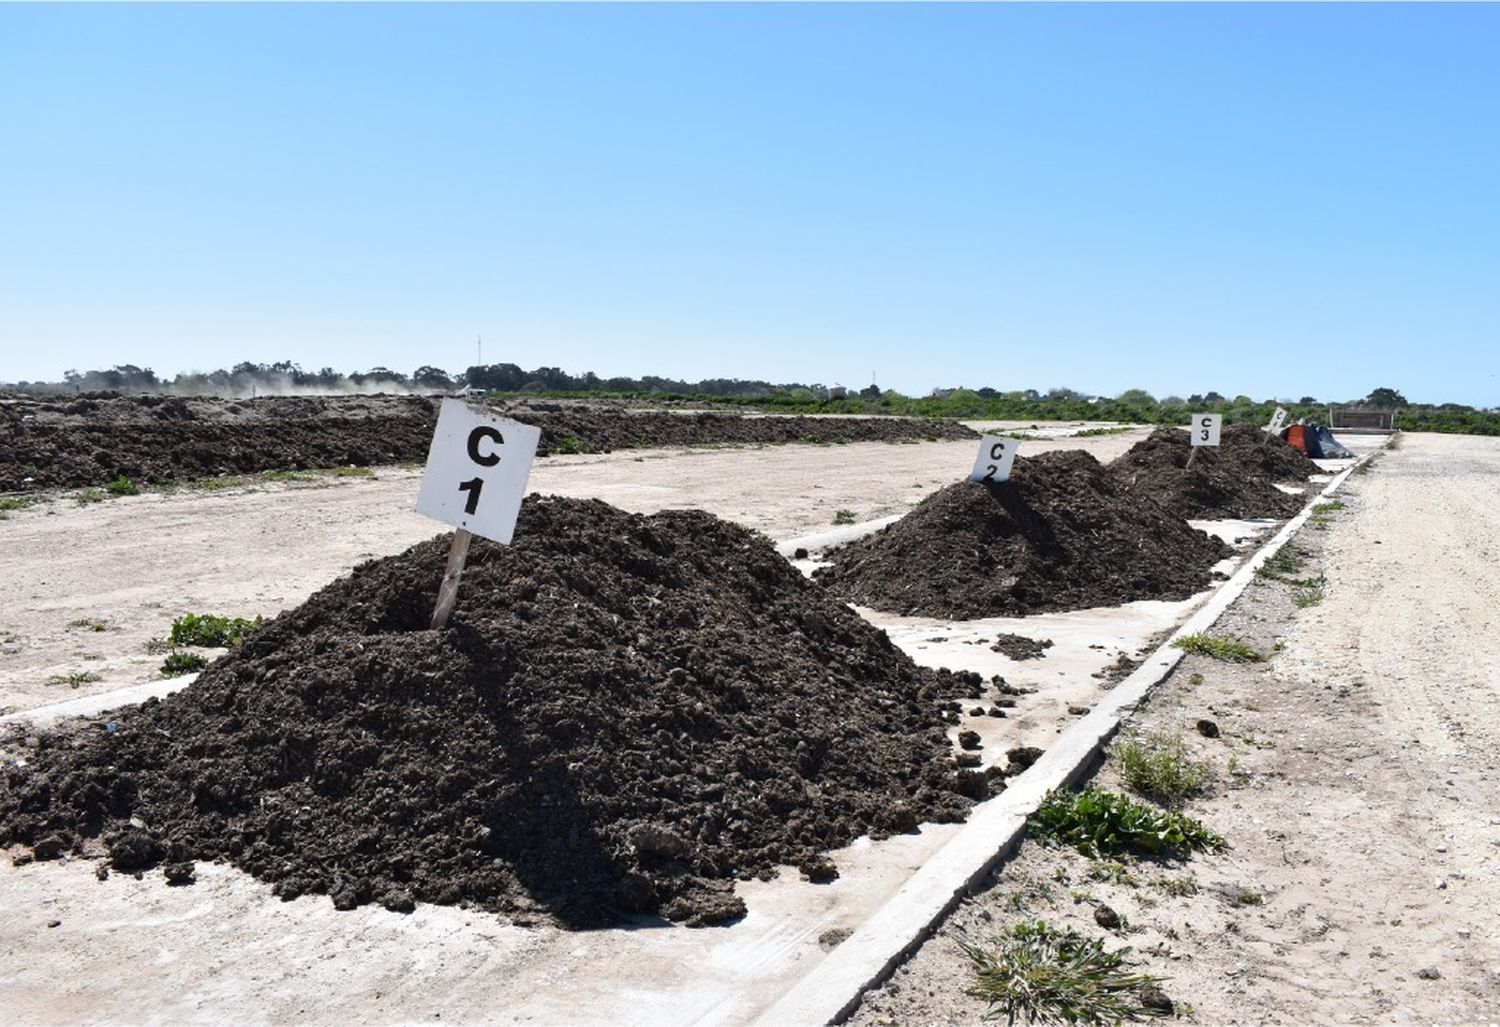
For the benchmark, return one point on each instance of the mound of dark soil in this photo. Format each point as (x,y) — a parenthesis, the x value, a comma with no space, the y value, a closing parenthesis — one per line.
(1059,535)
(95,438)
(1238,479)
(624,715)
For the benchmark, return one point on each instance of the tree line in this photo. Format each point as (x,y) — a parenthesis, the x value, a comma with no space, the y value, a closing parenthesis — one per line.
(1130,406)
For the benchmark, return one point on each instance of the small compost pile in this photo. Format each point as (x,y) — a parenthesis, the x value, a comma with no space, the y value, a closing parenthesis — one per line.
(1059,535)
(625,715)
(1235,480)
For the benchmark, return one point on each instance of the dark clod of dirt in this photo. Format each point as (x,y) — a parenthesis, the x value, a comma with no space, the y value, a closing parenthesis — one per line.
(1207,728)
(625,715)
(102,872)
(818,869)
(969,760)
(1429,973)
(1061,534)
(1019,647)
(969,740)
(1077,711)
(1021,758)
(179,873)
(1236,480)
(1106,917)
(995,711)
(799,553)
(50,847)
(54,923)
(1156,1000)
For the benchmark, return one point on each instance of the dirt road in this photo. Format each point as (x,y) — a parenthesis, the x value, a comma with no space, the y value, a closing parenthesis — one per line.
(1356,785)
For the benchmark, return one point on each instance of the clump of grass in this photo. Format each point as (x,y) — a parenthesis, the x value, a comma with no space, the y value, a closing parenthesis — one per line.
(351,472)
(1322,513)
(89,623)
(1041,974)
(1366,467)
(843,517)
(1310,592)
(1178,887)
(1099,823)
(210,630)
(1160,767)
(122,486)
(75,678)
(1091,432)
(88,496)
(1285,563)
(286,474)
(1214,647)
(11,503)
(179,663)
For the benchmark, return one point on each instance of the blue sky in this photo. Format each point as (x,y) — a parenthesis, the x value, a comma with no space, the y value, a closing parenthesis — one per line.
(1273,200)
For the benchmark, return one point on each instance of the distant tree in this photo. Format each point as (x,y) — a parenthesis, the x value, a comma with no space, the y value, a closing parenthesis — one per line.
(1308,401)
(429,377)
(1137,397)
(1384,397)
(871,391)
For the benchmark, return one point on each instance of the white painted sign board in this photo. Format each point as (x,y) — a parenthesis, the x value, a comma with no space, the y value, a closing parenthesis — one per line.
(477,470)
(996,454)
(1205,429)
(1277,420)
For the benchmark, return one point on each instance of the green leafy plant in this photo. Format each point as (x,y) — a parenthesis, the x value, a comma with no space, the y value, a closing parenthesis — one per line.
(1217,648)
(843,517)
(89,623)
(1310,592)
(1160,767)
(1285,563)
(1099,823)
(75,678)
(178,663)
(210,630)
(122,486)
(88,496)
(1041,974)
(1322,513)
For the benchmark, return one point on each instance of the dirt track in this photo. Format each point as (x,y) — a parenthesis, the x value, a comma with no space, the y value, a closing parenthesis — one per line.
(1361,812)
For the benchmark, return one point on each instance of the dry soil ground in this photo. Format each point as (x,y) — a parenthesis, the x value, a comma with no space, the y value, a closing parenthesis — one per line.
(1356,784)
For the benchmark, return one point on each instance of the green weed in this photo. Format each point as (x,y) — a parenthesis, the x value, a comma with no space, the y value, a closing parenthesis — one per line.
(179,663)
(1217,648)
(1040,974)
(1099,823)
(1310,592)
(122,486)
(843,517)
(1160,767)
(88,496)
(210,630)
(75,678)
(90,624)
(1285,563)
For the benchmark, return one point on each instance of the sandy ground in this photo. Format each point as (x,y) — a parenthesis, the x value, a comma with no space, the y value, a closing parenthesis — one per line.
(1356,784)
(85,588)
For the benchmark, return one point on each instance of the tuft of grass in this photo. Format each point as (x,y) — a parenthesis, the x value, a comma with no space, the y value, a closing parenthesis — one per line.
(1366,467)
(1322,513)
(1099,823)
(1310,592)
(1041,974)
(179,663)
(843,517)
(1091,432)
(88,496)
(210,631)
(1214,647)
(122,486)
(89,623)
(1160,767)
(75,678)
(350,471)
(12,503)
(1285,563)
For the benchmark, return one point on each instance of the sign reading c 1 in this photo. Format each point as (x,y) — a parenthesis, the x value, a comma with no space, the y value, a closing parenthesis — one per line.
(476,472)
(476,476)
(996,454)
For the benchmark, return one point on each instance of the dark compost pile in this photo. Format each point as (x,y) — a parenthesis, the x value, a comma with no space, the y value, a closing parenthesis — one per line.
(1238,479)
(1059,535)
(625,714)
(67,442)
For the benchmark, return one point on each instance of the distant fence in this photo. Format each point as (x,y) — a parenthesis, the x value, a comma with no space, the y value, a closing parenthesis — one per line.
(1361,420)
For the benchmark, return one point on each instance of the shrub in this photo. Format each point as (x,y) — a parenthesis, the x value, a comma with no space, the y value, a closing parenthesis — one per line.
(1099,823)
(210,630)
(178,663)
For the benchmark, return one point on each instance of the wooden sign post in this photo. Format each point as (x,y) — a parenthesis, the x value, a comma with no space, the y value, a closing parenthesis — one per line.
(475,479)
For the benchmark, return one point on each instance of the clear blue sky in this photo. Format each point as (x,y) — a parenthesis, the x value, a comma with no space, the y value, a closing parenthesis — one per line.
(1273,200)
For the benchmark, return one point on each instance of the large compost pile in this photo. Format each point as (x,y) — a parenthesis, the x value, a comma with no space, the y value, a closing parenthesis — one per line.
(93,439)
(1059,535)
(1236,479)
(625,715)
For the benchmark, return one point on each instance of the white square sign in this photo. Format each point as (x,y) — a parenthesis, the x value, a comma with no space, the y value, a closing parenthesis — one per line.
(1205,429)
(996,454)
(477,469)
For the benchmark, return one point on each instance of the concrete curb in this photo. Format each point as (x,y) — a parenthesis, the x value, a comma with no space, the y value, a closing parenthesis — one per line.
(832,990)
(98,702)
(834,536)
